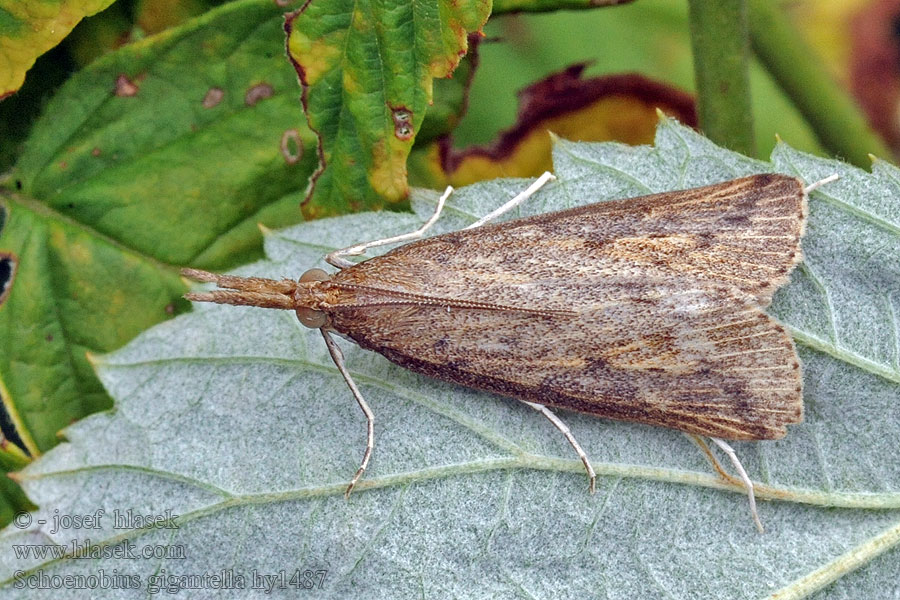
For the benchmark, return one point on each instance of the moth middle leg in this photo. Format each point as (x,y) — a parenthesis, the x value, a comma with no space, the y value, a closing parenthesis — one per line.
(557,422)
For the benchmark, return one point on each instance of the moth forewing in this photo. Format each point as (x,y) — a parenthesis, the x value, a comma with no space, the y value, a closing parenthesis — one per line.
(743,233)
(646,309)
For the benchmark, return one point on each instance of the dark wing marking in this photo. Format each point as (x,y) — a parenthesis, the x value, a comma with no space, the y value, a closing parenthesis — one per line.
(743,233)
(702,359)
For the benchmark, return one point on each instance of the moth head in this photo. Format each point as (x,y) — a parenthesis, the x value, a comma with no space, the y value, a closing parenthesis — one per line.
(303,296)
(308,316)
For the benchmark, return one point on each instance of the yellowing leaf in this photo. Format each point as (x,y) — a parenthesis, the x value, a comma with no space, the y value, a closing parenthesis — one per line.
(367,70)
(28,29)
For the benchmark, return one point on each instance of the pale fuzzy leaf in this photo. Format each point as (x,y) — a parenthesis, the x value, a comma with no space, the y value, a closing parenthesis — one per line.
(236,420)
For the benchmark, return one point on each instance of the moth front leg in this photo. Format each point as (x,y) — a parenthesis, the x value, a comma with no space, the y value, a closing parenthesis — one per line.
(338,357)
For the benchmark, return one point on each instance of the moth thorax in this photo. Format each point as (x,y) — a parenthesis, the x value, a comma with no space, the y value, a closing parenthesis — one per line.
(310,317)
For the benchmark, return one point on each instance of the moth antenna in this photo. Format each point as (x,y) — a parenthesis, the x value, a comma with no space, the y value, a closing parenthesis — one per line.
(338,357)
(744,477)
(815,185)
(516,201)
(557,422)
(335,260)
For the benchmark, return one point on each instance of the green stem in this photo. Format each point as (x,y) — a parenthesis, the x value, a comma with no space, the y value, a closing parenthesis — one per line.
(833,115)
(721,55)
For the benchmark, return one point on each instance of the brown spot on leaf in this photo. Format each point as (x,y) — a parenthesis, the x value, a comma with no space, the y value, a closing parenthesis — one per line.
(258,92)
(8,265)
(403,129)
(282,3)
(213,96)
(95,152)
(125,87)
(291,146)
(170,309)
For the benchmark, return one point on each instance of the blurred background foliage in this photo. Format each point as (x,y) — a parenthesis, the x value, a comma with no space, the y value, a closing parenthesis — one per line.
(858,42)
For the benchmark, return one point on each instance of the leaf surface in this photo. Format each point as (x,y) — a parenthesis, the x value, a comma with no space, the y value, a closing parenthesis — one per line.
(236,420)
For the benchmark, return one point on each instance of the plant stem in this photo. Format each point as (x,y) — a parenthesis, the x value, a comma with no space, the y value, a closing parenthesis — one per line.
(721,51)
(833,115)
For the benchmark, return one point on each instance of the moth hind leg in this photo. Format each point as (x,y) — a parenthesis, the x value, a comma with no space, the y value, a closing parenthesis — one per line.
(557,422)
(817,184)
(744,478)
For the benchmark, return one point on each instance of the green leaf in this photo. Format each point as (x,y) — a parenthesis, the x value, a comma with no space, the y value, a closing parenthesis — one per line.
(450,98)
(165,153)
(28,29)
(367,70)
(235,419)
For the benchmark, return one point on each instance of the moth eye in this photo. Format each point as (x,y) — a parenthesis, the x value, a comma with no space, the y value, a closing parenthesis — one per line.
(314,275)
(312,318)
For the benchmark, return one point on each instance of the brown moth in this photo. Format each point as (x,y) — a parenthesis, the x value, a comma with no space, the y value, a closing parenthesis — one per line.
(646,309)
